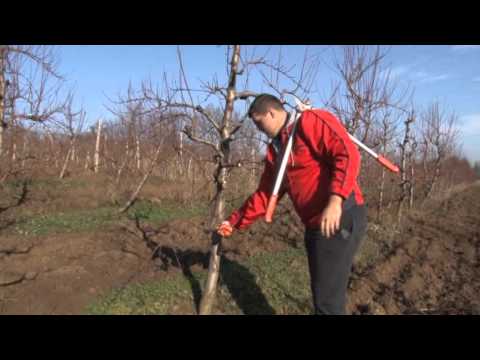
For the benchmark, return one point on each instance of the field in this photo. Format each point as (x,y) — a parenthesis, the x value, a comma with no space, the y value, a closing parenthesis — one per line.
(65,250)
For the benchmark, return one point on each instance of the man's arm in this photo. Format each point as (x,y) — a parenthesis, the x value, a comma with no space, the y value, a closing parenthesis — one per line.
(256,205)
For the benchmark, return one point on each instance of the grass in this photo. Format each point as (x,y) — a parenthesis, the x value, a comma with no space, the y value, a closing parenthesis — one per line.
(169,210)
(268,283)
(264,284)
(146,299)
(73,221)
(89,220)
(47,183)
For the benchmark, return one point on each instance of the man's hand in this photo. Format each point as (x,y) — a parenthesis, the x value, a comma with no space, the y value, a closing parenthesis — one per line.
(331,215)
(225,229)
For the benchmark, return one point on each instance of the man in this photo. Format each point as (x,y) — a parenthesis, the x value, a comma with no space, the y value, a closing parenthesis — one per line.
(321,180)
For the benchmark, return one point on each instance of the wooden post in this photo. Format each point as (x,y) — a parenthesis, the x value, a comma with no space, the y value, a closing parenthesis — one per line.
(97,147)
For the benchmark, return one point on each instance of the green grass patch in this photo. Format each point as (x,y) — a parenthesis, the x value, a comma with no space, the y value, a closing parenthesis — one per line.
(84,220)
(145,299)
(168,210)
(265,284)
(73,221)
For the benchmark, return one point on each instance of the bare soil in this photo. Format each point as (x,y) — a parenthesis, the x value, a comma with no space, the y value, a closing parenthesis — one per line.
(433,267)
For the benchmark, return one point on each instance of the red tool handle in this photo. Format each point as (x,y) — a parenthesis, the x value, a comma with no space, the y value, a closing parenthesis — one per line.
(388,164)
(272,204)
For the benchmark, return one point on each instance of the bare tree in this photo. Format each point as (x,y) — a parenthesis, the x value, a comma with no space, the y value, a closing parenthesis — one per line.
(365,88)
(217,131)
(29,85)
(405,150)
(411,160)
(3,86)
(439,136)
(222,150)
(72,125)
(386,134)
(142,131)
(134,195)
(370,103)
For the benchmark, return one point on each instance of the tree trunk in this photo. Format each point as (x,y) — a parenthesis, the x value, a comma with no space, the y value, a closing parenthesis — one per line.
(67,158)
(404,185)
(2,130)
(14,151)
(3,124)
(180,154)
(105,145)
(87,160)
(382,181)
(252,173)
(425,169)
(134,196)
(65,163)
(25,150)
(137,152)
(434,180)
(97,147)
(380,196)
(208,297)
(120,170)
(411,187)
(193,179)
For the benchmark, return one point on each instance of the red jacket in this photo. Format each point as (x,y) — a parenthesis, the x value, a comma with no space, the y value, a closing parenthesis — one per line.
(323,161)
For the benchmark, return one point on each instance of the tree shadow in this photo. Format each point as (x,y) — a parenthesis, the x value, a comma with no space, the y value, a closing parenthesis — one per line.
(238,279)
(241,284)
(7,224)
(20,198)
(184,260)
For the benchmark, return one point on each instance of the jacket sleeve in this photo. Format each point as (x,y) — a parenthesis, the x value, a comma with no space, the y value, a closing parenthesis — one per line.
(330,141)
(256,205)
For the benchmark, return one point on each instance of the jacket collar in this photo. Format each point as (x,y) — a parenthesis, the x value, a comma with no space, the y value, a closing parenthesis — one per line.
(291,116)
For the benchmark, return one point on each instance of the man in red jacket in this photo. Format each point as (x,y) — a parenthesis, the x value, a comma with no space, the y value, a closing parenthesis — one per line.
(321,180)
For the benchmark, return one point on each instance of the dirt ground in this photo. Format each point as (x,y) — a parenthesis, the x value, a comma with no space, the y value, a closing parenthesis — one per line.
(432,269)
(62,273)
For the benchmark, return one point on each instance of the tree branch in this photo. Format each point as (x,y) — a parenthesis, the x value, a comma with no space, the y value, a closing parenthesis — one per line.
(198,109)
(188,131)
(243,95)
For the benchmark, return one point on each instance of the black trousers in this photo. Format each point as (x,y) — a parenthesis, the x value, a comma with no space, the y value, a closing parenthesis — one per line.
(330,260)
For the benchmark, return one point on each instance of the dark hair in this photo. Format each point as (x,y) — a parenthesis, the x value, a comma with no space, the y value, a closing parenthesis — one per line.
(263,103)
